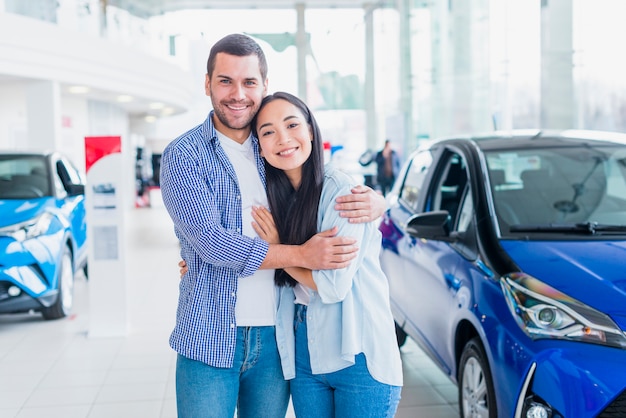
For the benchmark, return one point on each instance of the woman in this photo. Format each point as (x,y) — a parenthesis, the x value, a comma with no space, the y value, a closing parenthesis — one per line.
(334,328)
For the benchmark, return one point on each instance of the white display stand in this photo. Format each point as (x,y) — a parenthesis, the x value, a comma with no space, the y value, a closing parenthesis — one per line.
(104,197)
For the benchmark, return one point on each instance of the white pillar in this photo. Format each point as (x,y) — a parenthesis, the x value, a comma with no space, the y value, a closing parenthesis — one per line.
(43,115)
(557,84)
(461,104)
(406,75)
(302,48)
(370,76)
(442,80)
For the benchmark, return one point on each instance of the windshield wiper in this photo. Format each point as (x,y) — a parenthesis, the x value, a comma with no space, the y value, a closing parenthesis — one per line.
(586,228)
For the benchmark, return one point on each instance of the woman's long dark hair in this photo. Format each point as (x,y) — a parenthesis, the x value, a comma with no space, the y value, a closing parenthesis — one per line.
(295,211)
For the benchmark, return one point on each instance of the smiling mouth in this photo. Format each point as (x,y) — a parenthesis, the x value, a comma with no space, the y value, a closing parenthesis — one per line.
(237,107)
(287,152)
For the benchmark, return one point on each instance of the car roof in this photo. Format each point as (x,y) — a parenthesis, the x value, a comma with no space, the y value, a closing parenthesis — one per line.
(45,153)
(528,139)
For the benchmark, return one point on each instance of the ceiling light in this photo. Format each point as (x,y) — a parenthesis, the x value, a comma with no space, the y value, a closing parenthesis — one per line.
(166,111)
(125,98)
(156,105)
(78,89)
(150,119)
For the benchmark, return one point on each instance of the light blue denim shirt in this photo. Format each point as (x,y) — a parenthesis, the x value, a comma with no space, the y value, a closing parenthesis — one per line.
(350,313)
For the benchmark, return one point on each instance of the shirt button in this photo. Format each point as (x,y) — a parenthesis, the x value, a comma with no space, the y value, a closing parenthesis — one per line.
(233,294)
(238,197)
(232,325)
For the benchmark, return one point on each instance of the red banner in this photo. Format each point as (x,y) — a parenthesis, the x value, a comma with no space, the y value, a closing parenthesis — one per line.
(97,147)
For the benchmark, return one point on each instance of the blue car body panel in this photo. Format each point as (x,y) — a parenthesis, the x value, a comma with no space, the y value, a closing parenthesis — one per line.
(33,264)
(45,250)
(446,290)
(601,265)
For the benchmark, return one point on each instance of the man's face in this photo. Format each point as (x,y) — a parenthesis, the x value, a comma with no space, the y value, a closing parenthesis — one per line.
(236,89)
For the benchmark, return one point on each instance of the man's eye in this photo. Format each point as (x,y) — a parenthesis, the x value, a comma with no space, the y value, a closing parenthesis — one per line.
(250,83)
(224,81)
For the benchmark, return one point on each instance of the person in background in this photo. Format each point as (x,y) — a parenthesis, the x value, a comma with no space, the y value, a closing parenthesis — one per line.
(335,330)
(210,178)
(387,166)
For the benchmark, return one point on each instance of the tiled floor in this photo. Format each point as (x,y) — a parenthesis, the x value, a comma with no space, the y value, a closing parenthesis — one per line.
(54,370)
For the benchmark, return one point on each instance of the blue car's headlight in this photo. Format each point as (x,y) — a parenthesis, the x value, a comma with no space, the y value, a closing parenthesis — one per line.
(28,229)
(544,312)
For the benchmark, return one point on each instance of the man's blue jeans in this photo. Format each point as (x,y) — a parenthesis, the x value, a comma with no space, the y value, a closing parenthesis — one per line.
(347,393)
(254,385)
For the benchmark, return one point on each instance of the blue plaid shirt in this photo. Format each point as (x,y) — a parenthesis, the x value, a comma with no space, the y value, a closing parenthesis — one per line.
(201,194)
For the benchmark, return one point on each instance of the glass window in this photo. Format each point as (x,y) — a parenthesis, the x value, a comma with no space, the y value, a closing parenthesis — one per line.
(414,179)
(23,177)
(450,188)
(559,185)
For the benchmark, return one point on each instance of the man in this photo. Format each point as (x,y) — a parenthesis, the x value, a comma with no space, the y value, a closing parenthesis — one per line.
(388,167)
(211,177)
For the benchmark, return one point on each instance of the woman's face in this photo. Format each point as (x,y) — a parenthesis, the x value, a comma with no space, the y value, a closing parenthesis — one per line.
(285,138)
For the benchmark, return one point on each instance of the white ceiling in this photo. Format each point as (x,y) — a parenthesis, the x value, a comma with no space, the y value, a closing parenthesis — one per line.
(147,8)
(155,7)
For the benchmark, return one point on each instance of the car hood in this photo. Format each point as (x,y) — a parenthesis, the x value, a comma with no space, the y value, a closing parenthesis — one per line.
(13,211)
(592,272)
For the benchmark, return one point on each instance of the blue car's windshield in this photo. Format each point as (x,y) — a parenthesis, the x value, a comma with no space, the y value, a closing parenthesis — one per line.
(544,189)
(23,177)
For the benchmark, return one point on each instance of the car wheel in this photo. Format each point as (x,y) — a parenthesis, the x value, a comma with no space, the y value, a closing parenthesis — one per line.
(65,298)
(400,335)
(477,398)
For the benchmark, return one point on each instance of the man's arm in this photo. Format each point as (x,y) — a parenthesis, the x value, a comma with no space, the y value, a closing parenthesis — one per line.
(363,205)
(322,251)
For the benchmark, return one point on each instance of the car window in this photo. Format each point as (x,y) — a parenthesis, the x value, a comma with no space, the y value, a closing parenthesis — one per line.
(559,185)
(23,177)
(450,184)
(466,213)
(414,179)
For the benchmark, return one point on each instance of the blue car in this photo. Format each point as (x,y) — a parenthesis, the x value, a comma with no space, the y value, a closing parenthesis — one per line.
(43,232)
(506,258)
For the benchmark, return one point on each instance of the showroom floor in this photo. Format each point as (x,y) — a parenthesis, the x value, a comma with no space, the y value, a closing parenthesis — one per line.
(54,370)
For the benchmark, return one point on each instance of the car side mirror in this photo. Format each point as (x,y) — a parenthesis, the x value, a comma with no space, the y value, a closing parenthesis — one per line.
(430,225)
(75,189)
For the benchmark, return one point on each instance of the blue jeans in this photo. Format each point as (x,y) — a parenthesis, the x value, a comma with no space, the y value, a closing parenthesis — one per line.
(350,392)
(254,386)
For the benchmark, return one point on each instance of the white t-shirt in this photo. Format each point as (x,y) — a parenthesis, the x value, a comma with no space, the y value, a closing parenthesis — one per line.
(256,294)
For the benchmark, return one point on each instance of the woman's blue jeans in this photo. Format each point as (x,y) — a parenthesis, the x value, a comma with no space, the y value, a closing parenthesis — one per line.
(254,386)
(347,393)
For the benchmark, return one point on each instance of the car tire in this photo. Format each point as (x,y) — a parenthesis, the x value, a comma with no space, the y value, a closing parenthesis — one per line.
(476,392)
(400,335)
(65,286)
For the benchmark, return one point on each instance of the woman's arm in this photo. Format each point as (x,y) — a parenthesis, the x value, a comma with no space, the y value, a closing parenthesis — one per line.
(266,229)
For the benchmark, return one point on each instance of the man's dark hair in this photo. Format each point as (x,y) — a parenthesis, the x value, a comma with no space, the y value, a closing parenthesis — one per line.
(240,46)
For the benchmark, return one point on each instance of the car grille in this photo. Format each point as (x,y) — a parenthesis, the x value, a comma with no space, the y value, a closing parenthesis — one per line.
(616,409)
